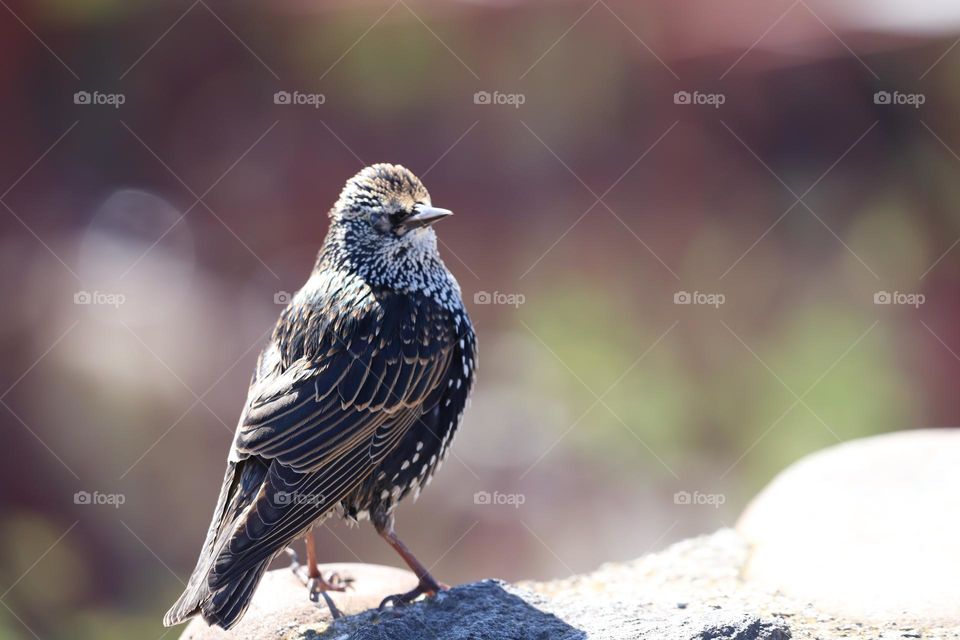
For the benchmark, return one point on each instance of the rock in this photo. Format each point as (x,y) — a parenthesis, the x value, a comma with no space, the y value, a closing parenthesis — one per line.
(493,610)
(281,608)
(486,610)
(856,542)
(619,602)
(607,619)
(639,600)
(867,529)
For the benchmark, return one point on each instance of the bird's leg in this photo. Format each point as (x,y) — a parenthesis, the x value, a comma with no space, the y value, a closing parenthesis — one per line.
(311,577)
(427,583)
(315,580)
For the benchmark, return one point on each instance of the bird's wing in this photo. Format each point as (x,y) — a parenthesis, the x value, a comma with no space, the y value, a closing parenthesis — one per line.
(327,421)
(368,372)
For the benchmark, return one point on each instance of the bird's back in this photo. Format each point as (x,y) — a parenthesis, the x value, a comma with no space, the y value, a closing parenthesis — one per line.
(352,407)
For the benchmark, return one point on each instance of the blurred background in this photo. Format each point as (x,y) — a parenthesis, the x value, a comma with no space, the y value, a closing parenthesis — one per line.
(699,241)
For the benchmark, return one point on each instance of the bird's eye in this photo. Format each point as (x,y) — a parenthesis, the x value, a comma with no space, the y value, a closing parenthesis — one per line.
(382,222)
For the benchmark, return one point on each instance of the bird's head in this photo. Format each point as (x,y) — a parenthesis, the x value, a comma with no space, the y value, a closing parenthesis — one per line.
(388,200)
(383,221)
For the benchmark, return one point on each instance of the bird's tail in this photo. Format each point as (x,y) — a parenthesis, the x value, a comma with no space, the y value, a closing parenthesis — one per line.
(224,605)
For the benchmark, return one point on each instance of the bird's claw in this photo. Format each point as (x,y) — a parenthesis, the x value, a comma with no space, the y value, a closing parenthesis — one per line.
(318,584)
(318,587)
(315,598)
(425,587)
(337,580)
(393,601)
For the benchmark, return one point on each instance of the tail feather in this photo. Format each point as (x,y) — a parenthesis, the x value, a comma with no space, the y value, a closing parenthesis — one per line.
(225,604)
(228,604)
(223,607)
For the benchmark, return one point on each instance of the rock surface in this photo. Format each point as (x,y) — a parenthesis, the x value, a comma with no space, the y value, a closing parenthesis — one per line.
(699,576)
(607,605)
(694,590)
(856,542)
(493,610)
(869,529)
(281,608)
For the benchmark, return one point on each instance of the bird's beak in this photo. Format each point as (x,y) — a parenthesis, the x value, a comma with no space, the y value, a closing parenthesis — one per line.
(425,216)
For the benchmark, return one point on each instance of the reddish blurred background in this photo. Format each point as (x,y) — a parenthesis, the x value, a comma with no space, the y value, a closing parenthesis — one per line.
(814,168)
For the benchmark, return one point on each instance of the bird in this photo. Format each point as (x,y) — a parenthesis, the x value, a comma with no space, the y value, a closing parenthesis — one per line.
(353,403)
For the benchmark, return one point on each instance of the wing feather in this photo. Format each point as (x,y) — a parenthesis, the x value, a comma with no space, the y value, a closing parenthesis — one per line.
(326,419)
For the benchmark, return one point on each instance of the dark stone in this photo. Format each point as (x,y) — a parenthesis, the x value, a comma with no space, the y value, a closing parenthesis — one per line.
(479,611)
(493,610)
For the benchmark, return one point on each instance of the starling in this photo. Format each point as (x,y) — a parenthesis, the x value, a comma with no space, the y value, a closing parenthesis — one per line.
(354,400)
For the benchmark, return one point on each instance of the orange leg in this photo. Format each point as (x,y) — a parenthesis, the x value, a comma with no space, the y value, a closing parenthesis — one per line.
(317,585)
(427,583)
(316,582)
(312,570)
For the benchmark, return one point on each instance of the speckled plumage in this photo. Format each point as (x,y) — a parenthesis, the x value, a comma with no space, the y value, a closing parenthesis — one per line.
(354,400)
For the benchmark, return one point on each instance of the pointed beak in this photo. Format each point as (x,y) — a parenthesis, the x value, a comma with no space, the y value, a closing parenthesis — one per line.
(426,216)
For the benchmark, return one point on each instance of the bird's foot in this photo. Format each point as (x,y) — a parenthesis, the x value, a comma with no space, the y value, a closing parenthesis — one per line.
(427,586)
(319,587)
(333,582)
(315,598)
(317,583)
